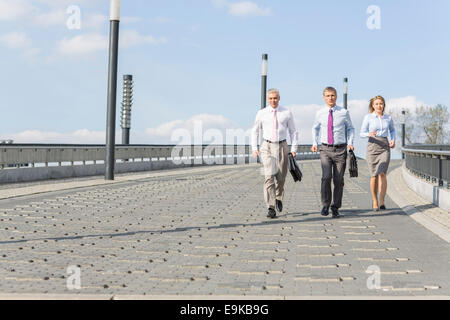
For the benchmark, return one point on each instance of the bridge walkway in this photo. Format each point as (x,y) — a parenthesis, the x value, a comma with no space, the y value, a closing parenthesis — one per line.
(204,231)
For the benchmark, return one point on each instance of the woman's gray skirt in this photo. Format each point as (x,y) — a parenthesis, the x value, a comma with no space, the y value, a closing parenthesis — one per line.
(378,155)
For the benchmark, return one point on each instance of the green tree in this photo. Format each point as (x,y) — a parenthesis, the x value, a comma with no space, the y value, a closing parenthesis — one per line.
(434,121)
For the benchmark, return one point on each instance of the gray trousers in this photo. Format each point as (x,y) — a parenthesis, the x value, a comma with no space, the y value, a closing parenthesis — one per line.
(274,158)
(333,162)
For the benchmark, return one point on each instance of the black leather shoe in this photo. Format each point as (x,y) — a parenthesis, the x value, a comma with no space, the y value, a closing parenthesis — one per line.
(325,211)
(271,214)
(383,207)
(279,205)
(335,213)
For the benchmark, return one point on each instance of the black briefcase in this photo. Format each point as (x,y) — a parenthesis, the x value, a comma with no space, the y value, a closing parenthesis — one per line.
(294,169)
(353,166)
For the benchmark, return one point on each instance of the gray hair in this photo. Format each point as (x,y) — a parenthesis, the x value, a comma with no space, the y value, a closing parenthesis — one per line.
(273,90)
(330,89)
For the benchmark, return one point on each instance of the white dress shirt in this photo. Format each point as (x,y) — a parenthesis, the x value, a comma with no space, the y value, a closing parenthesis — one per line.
(286,125)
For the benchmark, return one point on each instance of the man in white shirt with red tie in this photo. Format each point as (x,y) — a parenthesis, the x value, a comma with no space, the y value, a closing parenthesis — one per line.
(276,123)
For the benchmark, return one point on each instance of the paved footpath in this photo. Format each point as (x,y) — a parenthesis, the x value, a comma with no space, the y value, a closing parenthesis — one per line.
(205,233)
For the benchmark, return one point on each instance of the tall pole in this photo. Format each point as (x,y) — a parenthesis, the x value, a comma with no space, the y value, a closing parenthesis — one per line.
(112,89)
(345,100)
(264,80)
(403,131)
(345,92)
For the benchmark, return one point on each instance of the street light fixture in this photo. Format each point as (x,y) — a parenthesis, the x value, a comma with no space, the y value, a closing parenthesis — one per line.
(403,117)
(403,123)
(264,80)
(345,97)
(345,92)
(125,117)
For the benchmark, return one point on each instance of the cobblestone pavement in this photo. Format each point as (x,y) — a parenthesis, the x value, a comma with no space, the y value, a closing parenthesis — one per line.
(207,234)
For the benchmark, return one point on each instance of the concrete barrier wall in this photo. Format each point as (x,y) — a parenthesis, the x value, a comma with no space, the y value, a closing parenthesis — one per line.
(27,174)
(440,196)
(61,172)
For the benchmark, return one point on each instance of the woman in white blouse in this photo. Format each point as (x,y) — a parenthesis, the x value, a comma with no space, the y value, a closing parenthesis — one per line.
(379,128)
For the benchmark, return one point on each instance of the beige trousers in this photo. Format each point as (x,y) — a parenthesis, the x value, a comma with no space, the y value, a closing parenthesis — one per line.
(274,158)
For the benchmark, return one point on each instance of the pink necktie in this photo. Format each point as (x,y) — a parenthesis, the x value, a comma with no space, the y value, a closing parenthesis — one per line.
(330,128)
(275,127)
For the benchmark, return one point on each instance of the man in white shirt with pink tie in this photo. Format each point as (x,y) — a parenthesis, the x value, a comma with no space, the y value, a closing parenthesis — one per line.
(276,123)
(329,131)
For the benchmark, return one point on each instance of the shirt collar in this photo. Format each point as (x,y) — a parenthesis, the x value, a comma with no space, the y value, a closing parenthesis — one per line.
(272,109)
(334,108)
(376,115)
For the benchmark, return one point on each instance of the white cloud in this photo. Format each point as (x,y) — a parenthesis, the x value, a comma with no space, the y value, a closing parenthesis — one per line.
(82,44)
(20,41)
(127,20)
(65,3)
(82,136)
(195,128)
(16,40)
(25,12)
(243,8)
(162,20)
(94,21)
(162,134)
(247,8)
(11,10)
(132,38)
(89,43)
(51,18)
(49,13)
(409,102)
(195,28)
(211,128)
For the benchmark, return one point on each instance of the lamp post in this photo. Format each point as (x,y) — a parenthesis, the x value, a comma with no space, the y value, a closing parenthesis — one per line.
(345,92)
(344,102)
(125,117)
(403,122)
(264,80)
(112,89)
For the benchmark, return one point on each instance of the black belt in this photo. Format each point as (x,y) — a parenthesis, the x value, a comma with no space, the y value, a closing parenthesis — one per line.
(335,145)
(275,142)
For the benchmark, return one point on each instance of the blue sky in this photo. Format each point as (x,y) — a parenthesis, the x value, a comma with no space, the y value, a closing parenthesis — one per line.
(201,59)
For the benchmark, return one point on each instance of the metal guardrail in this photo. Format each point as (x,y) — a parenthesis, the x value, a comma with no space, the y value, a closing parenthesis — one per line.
(429,162)
(19,155)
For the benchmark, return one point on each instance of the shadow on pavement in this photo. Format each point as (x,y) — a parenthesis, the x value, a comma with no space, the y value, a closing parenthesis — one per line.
(345,214)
